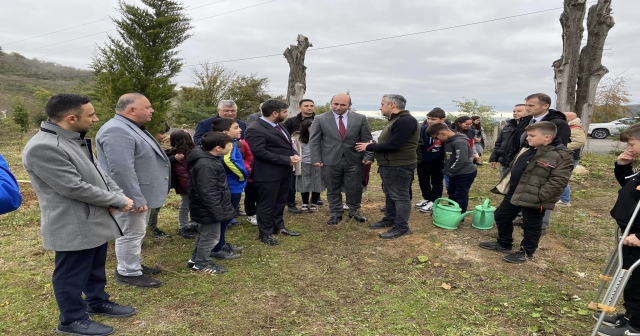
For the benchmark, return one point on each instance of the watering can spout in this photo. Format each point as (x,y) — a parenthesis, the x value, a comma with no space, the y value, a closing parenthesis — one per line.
(462,216)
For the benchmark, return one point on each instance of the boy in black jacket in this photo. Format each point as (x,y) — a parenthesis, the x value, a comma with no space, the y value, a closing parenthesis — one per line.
(430,176)
(458,163)
(628,198)
(209,198)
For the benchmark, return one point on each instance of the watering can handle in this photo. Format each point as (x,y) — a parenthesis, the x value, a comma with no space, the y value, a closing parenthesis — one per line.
(485,204)
(446,199)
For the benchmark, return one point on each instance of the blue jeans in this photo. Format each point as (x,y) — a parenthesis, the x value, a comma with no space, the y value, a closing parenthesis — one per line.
(458,189)
(566,195)
(235,201)
(396,184)
(446,182)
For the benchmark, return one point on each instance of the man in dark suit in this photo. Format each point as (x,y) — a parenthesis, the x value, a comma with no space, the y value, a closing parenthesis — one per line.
(333,147)
(226,109)
(273,157)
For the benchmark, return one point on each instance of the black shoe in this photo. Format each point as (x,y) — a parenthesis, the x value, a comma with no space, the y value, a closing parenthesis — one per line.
(233,248)
(190,263)
(210,268)
(138,281)
(224,255)
(111,309)
(612,320)
(186,233)
(395,233)
(319,202)
(293,209)
(616,331)
(286,232)
(383,209)
(495,246)
(150,270)
(84,327)
(517,221)
(519,257)
(334,220)
(358,217)
(269,240)
(157,233)
(381,224)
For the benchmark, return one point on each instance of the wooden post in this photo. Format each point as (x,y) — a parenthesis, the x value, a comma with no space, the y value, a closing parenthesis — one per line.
(297,86)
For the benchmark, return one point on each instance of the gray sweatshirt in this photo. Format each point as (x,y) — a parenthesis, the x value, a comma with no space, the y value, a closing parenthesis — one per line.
(458,156)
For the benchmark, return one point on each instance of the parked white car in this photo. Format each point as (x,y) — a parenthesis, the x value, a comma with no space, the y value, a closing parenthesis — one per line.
(603,130)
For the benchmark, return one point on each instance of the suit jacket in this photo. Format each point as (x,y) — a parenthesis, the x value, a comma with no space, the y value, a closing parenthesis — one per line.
(328,147)
(204,126)
(135,161)
(73,191)
(271,150)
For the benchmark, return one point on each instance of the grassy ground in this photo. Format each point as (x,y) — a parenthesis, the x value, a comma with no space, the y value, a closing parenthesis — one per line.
(340,280)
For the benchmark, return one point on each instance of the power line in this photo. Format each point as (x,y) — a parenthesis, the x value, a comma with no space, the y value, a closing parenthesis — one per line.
(85,24)
(389,37)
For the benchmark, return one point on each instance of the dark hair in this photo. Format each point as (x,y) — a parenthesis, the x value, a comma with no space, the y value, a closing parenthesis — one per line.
(479,126)
(181,141)
(631,133)
(304,130)
(304,101)
(222,124)
(271,106)
(544,127)
(63,104)
(460,120)
(434,129)
(437,113)
(520,105)
(211,140)
(543,98)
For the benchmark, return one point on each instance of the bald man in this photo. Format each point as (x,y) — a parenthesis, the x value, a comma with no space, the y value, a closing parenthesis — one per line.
(332,144)
(133,158)
(577,141)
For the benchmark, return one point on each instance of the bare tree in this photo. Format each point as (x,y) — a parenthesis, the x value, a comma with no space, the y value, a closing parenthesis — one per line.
(297,86)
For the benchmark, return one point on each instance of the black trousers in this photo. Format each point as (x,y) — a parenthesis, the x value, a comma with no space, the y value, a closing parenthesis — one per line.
(250,199)
(78,272)
(272,199)
(430,179)
(531,225)
(291,196)
(631,292)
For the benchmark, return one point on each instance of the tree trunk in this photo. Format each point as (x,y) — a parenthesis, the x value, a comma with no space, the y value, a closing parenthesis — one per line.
(566,67)
(590,69)
(297,73)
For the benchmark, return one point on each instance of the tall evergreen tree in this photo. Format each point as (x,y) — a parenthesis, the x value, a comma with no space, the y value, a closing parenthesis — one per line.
(143,59)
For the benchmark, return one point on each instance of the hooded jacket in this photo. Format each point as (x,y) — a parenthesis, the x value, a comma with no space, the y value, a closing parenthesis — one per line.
(628,197)
(503,142)
(556,117)
(179,171)
(209,196)
(431,150)
(543,180)
(237,174)
(578,138)
(457,156)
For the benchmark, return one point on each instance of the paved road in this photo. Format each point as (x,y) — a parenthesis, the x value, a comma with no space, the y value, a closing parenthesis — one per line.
(603,146)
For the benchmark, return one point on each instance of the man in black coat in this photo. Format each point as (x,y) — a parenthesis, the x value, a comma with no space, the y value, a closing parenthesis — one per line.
(226,109)
(506,137)
(273,157)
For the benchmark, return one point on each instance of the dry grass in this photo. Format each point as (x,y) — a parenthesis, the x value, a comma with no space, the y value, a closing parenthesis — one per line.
(340,280)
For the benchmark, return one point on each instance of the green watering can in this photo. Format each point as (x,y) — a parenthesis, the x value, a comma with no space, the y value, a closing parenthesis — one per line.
(483,216)
(447,215)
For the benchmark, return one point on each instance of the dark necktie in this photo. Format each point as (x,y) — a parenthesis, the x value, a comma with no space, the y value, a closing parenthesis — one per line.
(341,127)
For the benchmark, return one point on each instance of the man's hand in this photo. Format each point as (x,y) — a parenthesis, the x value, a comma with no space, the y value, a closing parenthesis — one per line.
(129,205)
(294,159)
(493,164)
(627,157)
(631,240)
(179,157)
(319,164)
(366,163)
(140,209)
(362,146)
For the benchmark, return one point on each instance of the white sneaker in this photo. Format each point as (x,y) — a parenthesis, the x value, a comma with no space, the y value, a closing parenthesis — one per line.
(345,207)
(252,219)
(564,204)
(421,203)
(427,207)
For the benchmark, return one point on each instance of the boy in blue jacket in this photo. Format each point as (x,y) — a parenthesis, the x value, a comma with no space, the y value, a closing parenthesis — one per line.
(10,197)
(236,178)
(430,176)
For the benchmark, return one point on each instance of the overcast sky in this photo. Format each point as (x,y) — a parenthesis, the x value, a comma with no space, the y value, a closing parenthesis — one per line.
(498,63)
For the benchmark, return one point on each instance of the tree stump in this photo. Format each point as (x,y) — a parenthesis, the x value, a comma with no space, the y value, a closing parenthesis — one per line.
(297,85)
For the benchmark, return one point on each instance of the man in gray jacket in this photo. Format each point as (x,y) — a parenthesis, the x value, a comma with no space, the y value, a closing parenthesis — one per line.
(135,161)
(77,200)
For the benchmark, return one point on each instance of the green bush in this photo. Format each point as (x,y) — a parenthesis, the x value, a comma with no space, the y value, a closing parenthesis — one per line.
(21,117)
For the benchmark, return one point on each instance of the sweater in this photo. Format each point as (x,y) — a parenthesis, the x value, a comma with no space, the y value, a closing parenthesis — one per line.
(398,142)
(457,156)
